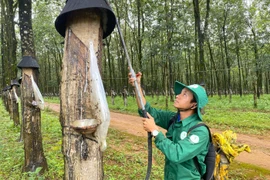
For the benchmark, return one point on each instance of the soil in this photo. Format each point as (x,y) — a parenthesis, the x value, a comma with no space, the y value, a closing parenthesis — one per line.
(260,145)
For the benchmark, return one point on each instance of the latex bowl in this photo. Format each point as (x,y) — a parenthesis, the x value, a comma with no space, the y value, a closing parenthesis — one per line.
(85,126)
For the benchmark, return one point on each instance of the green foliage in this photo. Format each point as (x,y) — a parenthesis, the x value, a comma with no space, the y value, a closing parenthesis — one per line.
(161,32)
(47,43)
(33,175)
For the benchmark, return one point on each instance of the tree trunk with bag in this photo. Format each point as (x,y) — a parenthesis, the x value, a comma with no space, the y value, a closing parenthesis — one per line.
(31,125)
(83,30)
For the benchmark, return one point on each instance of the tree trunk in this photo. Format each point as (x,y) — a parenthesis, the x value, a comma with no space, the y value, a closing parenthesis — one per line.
(246,73)
(58,62)
(33,149)
(5,100)
(139,38)
(108,42)
(166,84)
(15,106)
(169,35)
(228,64)
(31,127)
(215,69)
(255,97)
(2,46)
(8,42)
(236,36)
(201,35)
(267,82)
(9,104)
(224,73)
(82,156)
(257,64)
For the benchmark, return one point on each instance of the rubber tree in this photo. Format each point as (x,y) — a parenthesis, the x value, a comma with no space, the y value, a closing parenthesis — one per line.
(81,23)
(31,115)
(8,41)
(15,102)
(201,34)
(6,97)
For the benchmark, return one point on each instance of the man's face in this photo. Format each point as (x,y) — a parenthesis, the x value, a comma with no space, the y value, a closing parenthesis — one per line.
(183,100)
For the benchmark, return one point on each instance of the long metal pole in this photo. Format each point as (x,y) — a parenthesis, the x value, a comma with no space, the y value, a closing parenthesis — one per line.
(133,75)
(139,96)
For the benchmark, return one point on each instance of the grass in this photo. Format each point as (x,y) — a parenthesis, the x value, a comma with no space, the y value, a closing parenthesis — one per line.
(126,155)
(12,152)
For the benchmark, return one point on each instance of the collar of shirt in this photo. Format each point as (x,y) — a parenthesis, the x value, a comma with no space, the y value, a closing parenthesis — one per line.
(190,119)
(178,117)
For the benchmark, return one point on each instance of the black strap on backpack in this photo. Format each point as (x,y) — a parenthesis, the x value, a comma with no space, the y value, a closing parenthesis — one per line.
(209,158)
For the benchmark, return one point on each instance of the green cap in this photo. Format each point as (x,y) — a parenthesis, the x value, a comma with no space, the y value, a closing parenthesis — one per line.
(198,92)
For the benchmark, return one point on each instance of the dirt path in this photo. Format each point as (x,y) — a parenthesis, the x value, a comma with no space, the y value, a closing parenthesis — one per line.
(260,145)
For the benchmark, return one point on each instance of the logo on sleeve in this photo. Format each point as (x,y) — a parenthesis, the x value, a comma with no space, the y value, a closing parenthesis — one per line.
(183,135)
(194,139)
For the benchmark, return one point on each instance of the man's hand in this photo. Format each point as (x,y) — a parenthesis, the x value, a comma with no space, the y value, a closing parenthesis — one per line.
(131,80)
(138,90)
(149,124)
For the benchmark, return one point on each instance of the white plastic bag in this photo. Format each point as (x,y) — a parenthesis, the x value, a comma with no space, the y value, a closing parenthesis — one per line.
(38,96)
(98,100)
(16,97)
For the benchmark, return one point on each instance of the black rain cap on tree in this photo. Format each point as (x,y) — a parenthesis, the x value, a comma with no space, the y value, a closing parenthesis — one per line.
(14,82)
(108,17)
(7,88)
(28,62)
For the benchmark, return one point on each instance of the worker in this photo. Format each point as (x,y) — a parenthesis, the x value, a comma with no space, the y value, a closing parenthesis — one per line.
(177,145)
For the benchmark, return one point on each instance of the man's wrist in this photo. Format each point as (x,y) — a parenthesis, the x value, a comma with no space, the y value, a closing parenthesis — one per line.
(154,132)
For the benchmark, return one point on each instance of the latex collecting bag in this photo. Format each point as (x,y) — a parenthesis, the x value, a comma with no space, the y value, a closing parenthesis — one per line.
(98,100)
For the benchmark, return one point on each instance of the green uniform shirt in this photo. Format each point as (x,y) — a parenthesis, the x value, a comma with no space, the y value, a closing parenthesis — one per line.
(179,147)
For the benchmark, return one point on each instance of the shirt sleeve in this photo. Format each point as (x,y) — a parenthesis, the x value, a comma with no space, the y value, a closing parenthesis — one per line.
(161,117)
(195,143)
